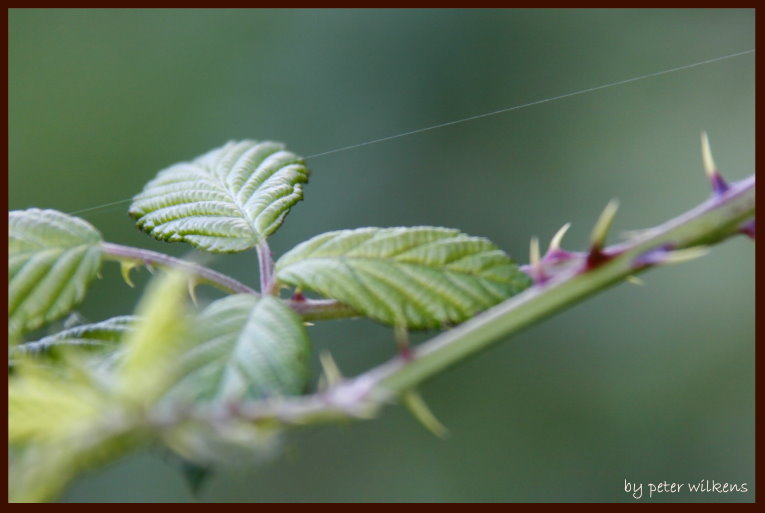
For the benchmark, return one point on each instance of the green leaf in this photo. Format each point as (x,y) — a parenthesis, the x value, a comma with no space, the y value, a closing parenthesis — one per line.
(47,404)
(99,335)
(52,258)
(249,347)
(41,472)
(227,200)
(421,277)
(61,421)
(148,363)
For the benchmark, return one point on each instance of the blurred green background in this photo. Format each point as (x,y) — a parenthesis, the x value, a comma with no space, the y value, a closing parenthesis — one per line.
(647,384)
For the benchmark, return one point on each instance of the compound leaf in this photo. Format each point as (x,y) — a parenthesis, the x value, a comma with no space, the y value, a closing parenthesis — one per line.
(52,258)
(420,277)
(226,200)
(249,347)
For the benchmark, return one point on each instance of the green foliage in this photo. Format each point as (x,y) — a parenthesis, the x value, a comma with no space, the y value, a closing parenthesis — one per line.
(66,418)
(420,277)
(61,421)
(99,335)
(41,472)
(204,381)
(150,353)
(86,394)
(52,258)
(248,347)
(227,200)
(47,404)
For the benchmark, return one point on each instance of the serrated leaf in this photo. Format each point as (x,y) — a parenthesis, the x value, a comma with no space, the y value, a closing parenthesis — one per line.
(421,277)
(227,200)
(97,335)
(52,258)
(249,347)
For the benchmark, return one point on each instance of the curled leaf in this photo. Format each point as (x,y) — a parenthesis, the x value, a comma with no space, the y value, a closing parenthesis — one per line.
(226,200)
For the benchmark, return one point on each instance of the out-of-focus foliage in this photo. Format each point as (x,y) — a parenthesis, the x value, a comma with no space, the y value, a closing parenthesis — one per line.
(620,387)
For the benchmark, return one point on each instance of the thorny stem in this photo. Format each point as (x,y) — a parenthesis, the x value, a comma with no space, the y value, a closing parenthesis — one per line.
(308,309)
(711,222)
(151,258)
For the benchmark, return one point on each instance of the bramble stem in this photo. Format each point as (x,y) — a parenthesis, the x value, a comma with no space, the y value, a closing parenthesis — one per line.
(308,309)
(709,223)
(147,257)
(266,266)
(321,309)
(718,218)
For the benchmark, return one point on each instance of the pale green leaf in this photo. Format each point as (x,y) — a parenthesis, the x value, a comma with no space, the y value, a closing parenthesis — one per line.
(421,277)
(52,258)
(249,347)
(61,421)
(40,472)
(149,357)
(46,404)
(227,200)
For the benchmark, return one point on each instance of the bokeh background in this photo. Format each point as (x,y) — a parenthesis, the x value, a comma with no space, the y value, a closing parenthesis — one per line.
(647,384)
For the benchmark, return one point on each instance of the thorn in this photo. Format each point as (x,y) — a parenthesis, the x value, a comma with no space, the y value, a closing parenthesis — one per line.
(534,258)
(125,268)
(634,280)
(401,335)
(664,255)
(535,269)
(148,266)
(417,407)
(748,229)
(331,375)
(684,255)
(719,186)
(306,323)
(596,256)
(706,156)
(603,225)
(558,237)
(192,283)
